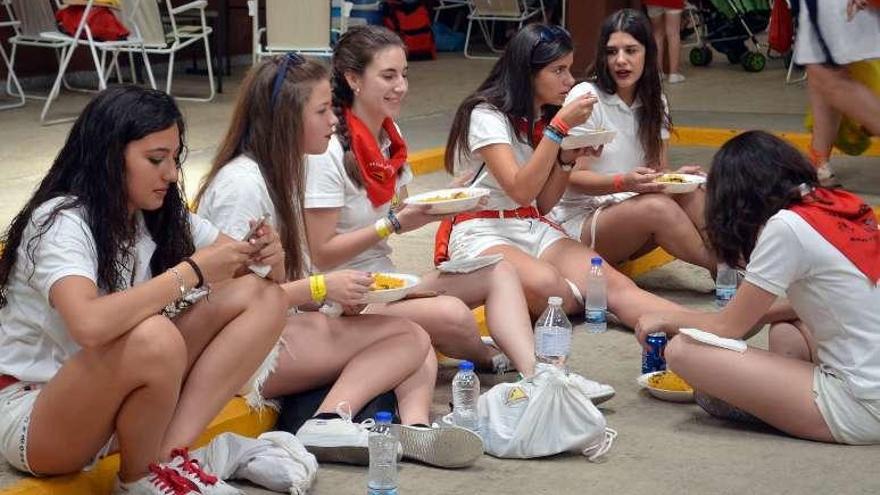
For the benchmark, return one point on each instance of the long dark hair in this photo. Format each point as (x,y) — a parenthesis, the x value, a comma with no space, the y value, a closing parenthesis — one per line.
(753,176)
(653,115)
(509,87)
(353,53)
(270,132)
(90,171)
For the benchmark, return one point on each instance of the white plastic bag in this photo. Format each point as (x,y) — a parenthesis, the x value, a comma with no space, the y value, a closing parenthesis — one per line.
(545,415)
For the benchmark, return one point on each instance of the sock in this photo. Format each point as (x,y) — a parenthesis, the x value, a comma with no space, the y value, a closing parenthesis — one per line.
(326,416)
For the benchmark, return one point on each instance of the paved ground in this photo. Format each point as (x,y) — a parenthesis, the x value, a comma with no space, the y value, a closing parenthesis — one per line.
(663,448)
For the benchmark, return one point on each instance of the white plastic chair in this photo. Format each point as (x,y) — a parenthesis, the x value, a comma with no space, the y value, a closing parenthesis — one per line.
(11,78)
(301,26)
(161,41)
(485,11)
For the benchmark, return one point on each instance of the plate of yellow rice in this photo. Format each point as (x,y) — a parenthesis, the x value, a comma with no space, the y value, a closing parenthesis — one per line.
(390,287)
(666,385)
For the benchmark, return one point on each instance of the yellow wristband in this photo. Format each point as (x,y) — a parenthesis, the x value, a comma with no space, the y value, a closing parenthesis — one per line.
(383,228)
(318,288)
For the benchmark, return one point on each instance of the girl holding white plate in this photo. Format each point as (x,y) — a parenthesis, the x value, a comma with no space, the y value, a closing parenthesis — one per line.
(349,216)
(283,112)
(607,205)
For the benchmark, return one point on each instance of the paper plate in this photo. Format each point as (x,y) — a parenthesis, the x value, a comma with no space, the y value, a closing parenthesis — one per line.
(391,295)
(668,395)
(443,201)
(589,138)
(690,184)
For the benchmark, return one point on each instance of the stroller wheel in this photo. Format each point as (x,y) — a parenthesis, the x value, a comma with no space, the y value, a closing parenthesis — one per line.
(700,56)
(754,62)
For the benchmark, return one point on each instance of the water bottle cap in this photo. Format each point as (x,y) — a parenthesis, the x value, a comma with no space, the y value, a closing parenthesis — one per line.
(555,300)
(466,366)
(596,261)
(383,417)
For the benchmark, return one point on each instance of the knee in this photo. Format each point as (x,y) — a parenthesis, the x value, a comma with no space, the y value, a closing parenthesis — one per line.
(504,272)
(156,345)
(420,341)
(675,352)
(266,297)
(544,282)
(457,319)
(659,211)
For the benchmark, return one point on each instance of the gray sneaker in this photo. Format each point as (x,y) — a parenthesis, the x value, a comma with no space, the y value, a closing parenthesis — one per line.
(441,446)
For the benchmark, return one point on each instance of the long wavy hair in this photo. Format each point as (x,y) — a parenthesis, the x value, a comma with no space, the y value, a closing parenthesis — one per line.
(509,87)
(653,116)
(270,133)
(753,176)
(90,172)
(353,53)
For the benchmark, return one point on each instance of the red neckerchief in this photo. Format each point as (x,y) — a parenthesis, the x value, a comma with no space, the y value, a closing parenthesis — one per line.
(379,173)
(849,224)
(522,129)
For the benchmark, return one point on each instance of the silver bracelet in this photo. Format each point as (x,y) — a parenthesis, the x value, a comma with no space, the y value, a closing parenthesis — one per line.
(180,281)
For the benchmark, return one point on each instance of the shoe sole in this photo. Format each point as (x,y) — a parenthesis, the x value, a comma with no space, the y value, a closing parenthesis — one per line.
(359,456)
(447,447)
(601,398)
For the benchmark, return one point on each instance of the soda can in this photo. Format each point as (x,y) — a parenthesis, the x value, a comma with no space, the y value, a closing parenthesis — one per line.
(652,358)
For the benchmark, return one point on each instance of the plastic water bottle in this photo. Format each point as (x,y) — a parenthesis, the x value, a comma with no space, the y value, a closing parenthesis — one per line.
(553,334)
(383,457)
(597,300)
(725,285)
(465,395)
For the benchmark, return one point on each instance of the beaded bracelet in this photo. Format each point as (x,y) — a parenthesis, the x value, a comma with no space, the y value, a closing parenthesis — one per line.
(395,222)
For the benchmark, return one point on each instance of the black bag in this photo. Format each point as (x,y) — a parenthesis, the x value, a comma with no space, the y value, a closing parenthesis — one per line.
(297,408)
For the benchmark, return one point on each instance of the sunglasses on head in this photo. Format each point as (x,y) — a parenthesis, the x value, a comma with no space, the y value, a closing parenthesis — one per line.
(550,34)
(291,59)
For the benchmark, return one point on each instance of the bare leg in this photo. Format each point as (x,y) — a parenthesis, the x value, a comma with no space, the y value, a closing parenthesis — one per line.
(846,95)
(776,389)
(793,340)
(507,314)
(228,335)
(130,385)
(659,35)
(623,229)
(673,39)
(826,120)
(539,280)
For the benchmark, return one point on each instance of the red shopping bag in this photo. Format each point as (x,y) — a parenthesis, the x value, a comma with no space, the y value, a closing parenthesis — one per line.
(780,34)
(102,23)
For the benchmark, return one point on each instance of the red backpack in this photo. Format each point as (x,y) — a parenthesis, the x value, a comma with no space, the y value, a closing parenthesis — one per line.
(413,23)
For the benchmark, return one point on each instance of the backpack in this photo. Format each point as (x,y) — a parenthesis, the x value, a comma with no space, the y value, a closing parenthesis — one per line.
(413,23)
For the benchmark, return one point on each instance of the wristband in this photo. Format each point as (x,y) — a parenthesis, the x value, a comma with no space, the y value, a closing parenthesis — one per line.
(383,228)
(552,135)
(195,267)
(318,288)
(560,125)
(181,283)
(618,183)
(565,166)
(395,222)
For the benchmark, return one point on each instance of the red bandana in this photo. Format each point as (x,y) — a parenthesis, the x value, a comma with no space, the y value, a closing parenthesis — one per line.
(522,128)
(379,173)
(845,221)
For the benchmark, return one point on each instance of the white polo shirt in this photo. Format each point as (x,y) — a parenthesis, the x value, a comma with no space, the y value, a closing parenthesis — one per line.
(622,155)
(33,337)
(836,300)
(329,186)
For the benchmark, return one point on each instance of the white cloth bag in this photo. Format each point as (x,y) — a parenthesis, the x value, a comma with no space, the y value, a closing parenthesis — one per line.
(545,415)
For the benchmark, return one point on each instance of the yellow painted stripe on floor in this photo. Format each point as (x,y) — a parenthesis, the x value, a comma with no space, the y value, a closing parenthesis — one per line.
(644,264)
(715,137)
(427,161)
(235,417)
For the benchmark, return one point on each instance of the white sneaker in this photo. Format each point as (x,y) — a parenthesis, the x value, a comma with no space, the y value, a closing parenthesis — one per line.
(595,391)
(338,439)
(207,484)
(826,176)
(162,480)
(501,364)
(447,446)
(676,78)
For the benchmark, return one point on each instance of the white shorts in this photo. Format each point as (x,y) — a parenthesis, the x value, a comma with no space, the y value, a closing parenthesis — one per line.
(16,403)
(851,420)
(848,40)
(472,237)
(657,11)
(574,225)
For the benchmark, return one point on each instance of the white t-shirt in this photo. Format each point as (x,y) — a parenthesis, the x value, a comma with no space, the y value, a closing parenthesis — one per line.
(329,186)
(490,126)
(33,336)
(622,155)
(829,294)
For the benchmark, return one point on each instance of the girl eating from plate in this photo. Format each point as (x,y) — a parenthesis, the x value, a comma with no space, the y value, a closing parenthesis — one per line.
(608,204)
(820,249)
(283,112)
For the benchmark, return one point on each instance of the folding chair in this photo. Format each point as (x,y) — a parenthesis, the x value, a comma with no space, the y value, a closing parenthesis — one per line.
(292,26)
(448,5)
(29,20)
(11,79)
(158,41)
(484,11)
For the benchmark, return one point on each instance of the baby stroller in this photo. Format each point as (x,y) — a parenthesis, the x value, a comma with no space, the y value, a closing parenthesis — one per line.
(728,25)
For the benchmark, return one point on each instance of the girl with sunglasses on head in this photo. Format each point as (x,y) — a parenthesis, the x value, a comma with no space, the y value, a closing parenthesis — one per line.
(283,112)
(103,345)
(613,203)
(512,126)
(820,249)
(349,212)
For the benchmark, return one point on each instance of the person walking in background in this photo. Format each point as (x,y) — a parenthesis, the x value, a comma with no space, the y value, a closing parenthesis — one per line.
(666,20)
